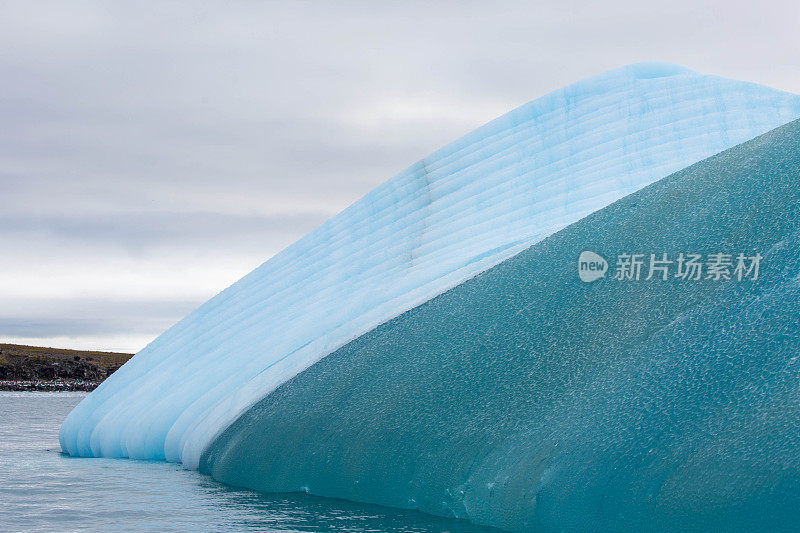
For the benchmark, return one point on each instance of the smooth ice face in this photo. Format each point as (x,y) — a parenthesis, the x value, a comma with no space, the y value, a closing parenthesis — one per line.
(452,215)
(528,399)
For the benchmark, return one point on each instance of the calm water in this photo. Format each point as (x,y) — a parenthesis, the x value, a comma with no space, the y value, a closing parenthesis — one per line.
(43,490)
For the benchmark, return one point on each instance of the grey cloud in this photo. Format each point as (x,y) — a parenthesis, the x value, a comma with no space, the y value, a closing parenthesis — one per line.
(86,317)
(126,127)
(153,229)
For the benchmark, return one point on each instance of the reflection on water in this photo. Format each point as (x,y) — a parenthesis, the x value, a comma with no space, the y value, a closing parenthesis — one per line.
(44,490)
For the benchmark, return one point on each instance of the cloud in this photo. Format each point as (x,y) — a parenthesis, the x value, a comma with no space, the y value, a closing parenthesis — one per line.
(156,151)
(85,317)
(141,232)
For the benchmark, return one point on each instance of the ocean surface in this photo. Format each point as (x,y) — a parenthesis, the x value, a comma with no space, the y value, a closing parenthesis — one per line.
(42,489)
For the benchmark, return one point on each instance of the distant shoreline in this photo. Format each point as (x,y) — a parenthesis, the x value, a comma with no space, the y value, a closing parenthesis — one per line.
(35,368)
(14,385)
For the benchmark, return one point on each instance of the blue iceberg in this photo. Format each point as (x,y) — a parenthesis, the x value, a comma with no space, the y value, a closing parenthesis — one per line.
(470,208)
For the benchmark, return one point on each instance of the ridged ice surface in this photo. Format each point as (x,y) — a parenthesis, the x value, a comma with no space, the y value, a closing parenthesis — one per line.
(452,215)
(527,399)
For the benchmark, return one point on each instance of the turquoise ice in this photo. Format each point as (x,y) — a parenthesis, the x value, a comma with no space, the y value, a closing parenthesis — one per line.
(528,399)
(460,211)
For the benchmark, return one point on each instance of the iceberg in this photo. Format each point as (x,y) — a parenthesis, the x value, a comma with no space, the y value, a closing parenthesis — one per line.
(463,210)
(529,399)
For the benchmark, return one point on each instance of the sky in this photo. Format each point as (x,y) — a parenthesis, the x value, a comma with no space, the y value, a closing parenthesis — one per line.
(153,153)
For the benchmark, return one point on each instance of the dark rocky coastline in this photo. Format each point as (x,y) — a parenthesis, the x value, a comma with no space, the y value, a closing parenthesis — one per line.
(53,385)
(33,368)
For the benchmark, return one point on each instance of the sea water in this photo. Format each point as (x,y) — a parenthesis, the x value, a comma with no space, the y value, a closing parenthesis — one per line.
(41,489)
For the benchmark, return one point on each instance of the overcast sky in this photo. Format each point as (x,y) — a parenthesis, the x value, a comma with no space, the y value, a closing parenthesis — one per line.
(152,154)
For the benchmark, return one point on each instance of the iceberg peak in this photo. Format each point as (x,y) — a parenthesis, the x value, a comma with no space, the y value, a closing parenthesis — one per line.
(657,69)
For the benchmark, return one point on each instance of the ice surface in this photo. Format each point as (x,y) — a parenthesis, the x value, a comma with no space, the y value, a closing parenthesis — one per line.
(527,399)
(452,215)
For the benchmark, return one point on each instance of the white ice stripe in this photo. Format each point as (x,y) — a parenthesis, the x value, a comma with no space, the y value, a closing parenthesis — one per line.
(457,212)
